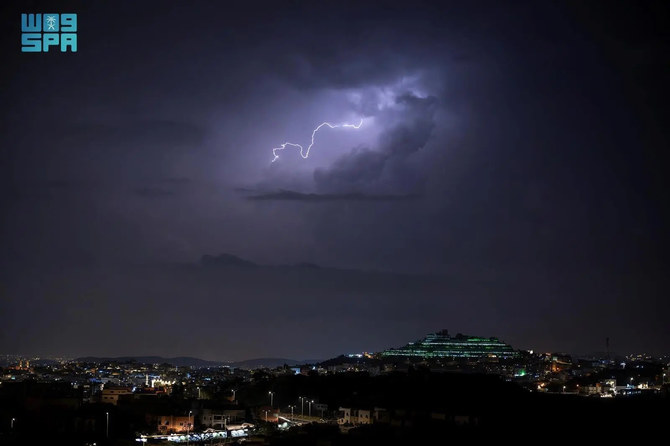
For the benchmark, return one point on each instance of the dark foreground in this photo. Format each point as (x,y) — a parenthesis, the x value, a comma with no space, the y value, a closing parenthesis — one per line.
(419,407)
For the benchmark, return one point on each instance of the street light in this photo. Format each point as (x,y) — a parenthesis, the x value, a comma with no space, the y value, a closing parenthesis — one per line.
(310,407)
(266,415)
(107,425)
(291,412)
(198,392)
(188,428)
(272,396)
(302,406)
(234,395)
(12,423)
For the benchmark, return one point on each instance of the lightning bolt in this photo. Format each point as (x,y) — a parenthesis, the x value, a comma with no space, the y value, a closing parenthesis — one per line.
(305,153)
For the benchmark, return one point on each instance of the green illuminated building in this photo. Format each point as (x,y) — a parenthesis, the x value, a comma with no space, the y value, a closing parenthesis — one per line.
(442,345)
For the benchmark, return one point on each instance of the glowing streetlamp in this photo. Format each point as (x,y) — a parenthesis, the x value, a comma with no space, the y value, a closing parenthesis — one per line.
(188,428)
(302,406)
(310,407)
(292,407)
(272,396)
(107,425)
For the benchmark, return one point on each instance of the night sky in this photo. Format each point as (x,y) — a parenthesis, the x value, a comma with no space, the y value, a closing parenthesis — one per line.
(509,178)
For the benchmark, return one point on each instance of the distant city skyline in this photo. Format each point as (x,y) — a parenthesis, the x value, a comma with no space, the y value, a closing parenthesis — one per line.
(278,360)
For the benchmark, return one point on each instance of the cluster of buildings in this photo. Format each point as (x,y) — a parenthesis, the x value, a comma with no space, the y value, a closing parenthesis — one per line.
(353,417)
(175,400)
(109,381)
(85,395)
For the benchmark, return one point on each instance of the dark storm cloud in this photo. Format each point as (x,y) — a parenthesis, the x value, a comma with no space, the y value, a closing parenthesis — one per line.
(299,196)
(177,181)
(529,134)
(153,192)
(415,129)
(354,171)
(65,185)
(165,187)
(376,50)
(107,151)
(144,134)
(336,65)
(53,187)
(318,301)
(385,166)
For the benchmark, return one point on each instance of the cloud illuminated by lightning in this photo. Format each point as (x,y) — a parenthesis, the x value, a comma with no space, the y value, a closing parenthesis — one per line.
(305,153)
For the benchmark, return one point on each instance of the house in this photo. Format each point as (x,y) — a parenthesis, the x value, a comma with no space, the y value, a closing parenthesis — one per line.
(347,415)
(111,394)
(168,424)
(219,418)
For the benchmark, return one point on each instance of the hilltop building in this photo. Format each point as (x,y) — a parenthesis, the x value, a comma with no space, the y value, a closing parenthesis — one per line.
(442,345)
